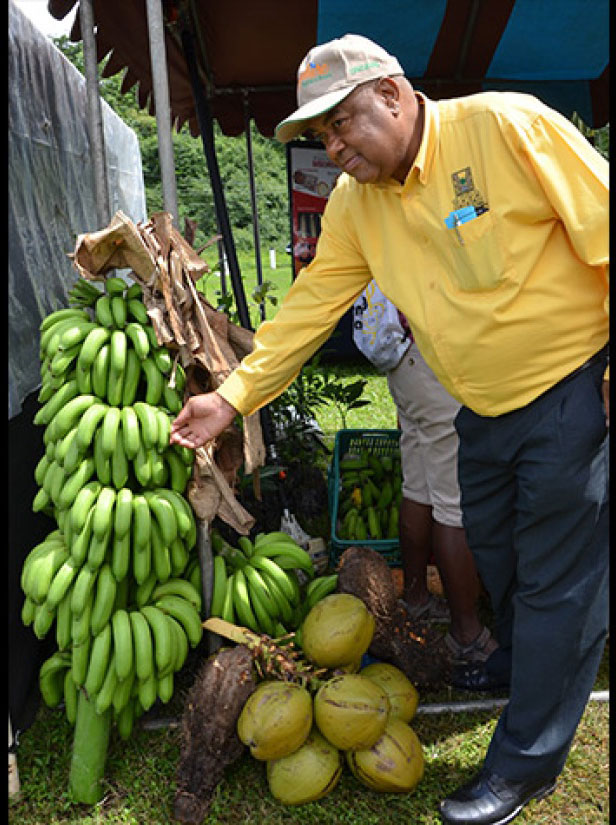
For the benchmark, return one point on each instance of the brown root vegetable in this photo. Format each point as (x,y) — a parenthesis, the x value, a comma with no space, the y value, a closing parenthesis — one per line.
(209,729)
(417,650)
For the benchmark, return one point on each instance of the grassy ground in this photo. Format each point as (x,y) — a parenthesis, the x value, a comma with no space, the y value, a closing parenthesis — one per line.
(140,773)
(140,777)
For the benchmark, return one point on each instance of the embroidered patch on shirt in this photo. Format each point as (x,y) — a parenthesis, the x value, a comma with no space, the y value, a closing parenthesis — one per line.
(465,193)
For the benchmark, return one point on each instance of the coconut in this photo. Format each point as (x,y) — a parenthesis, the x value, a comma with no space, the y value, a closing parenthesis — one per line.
(337,631)
(276,719)
(401,692)
(351,711)
(394,763)
(309,773)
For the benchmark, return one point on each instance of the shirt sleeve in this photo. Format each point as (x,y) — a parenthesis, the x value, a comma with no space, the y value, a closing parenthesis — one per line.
(320,295)
(575,178)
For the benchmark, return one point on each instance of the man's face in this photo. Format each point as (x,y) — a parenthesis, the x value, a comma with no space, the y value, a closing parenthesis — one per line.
(363,135)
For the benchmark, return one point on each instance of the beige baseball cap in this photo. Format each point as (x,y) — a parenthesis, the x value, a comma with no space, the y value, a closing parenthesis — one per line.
(329,73)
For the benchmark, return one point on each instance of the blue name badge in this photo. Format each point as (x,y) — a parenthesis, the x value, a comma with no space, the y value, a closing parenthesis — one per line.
(460,216)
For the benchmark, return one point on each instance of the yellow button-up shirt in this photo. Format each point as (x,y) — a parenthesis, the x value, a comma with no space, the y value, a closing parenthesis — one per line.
(503,305)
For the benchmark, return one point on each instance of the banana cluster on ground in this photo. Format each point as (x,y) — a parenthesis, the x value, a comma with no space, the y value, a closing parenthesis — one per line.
(113,576)
(256,584)
(370,491)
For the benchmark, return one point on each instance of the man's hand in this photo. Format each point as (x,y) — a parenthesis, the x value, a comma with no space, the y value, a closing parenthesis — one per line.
(606,401)
(201,419)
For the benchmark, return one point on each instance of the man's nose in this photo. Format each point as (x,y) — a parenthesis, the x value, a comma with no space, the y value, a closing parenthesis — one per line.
(333,145)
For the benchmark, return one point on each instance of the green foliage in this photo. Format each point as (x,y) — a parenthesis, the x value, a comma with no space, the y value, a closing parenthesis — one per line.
(194,191)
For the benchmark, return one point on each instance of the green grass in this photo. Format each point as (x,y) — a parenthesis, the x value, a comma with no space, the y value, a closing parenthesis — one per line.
(140,777)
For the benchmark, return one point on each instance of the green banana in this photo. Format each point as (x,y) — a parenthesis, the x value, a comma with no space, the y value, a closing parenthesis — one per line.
(121,556)
(183,511)
(58,315)
(142,562)
(179,587)
(186,614)
(241,602)
(265,621)
(134,291)
(288,550)
(257,582)
(57,402)
(132,377)
(67,417)
(104,697)
(122,693)
(130,432)
(63,360)
(109,430)
(104,599)
(179,557)
(61,582)
(139,339)
(80,625)
(103,512)
(122,643)
(161,559)
(154,381)
(97,550)
(82,590)
(123,512)
(120,470)
(142,520)
(137,310)
(70,697)
(148,420)
(117,365)
(180,644)
(228,609)
(142,466)
(284,606)
(51,678)
(43,569)
(88,423)
(162,359)
(178,472)
(164,429)
(75,333)
(219,586)
(80,659)
(98,664)
(142,645)
(164,513)
(115,285)
(43,620)
(102,463)
(100,369)
(63,622)
(92,346)
(267,565)
(102,311)
(163,642)
(81,543)
(118,311)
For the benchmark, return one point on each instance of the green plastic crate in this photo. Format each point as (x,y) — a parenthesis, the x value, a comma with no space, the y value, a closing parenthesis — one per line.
(379,443)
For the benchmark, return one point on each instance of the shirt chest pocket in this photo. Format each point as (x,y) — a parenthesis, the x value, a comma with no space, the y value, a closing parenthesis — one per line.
(476,255)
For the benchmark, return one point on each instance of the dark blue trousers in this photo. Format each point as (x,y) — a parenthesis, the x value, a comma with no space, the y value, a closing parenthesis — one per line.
(534,495)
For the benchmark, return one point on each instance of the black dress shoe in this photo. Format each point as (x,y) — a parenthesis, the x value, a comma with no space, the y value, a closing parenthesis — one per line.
(477,677)
(489,799)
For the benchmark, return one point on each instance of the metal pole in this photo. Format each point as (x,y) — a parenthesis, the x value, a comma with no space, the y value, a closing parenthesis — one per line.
(160,89)
(204,118)
(96,130)
(253,202)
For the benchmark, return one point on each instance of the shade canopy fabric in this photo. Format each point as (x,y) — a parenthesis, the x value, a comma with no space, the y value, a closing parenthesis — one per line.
(248,50)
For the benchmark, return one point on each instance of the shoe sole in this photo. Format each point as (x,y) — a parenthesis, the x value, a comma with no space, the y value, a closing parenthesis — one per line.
(538,796)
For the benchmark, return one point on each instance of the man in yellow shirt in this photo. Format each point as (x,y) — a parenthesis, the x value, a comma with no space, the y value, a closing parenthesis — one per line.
(484,219)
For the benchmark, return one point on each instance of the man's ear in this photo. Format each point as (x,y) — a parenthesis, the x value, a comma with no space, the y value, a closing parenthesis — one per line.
(389,90)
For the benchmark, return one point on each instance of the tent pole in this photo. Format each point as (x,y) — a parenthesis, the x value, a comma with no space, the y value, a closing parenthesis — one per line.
(253,200)
(96,130)
(160,88)
(204,119)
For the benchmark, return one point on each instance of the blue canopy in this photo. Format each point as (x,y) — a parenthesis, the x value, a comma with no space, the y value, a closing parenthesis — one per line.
(249,50)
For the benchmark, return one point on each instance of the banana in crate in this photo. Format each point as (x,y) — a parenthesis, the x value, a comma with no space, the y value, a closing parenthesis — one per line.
(113,576)
(365,491)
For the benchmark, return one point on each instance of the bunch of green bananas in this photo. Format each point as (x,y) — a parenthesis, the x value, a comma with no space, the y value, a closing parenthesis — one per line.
(256,584)
(370,490)
(113,575)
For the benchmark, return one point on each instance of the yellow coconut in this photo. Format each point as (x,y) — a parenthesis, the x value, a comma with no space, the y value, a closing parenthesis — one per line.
(401,692)
(309,773)
(394,764)
(351,711)
(276,719)
(337,631)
